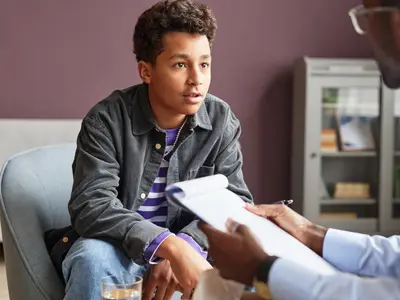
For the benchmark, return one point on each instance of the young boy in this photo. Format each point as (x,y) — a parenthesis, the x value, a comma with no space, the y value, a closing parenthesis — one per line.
(138,140)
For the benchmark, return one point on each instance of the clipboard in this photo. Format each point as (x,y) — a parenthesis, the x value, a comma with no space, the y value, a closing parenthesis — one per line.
(212,202)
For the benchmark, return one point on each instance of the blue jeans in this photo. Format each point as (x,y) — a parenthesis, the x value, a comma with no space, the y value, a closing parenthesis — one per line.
(89,260)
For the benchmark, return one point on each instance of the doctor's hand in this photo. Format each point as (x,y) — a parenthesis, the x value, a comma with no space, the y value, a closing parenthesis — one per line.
(237,253)
(305,231)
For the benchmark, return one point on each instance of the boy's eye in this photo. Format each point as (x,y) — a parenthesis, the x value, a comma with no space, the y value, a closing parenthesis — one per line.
(205,65)
(180,65)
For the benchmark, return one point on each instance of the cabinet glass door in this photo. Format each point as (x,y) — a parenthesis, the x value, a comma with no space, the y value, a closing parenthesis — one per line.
(348,150)
(394,223)
(389,206)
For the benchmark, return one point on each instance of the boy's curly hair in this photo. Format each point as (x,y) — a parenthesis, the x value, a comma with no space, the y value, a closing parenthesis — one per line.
(170,16)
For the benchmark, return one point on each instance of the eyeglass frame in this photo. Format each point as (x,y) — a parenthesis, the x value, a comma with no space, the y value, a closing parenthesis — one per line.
(362,10)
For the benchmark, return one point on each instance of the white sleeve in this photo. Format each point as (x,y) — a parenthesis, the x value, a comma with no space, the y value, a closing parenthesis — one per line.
(362,254)
(288,281)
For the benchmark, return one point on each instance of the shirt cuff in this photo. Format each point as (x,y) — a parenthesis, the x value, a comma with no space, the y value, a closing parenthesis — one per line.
(288,280)
(337,240)
(149,252)
(193,243)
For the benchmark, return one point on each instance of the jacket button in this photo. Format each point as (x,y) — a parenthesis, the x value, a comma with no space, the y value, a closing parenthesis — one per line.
(142,195)
(65,239)
(158,146)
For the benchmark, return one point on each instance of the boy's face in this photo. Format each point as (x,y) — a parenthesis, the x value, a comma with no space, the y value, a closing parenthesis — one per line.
(180,78)
(384,31)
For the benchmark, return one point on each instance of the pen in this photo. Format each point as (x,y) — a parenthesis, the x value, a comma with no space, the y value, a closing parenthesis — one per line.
(285,202)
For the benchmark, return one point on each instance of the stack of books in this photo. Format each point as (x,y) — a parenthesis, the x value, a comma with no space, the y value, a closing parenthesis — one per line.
(329,140)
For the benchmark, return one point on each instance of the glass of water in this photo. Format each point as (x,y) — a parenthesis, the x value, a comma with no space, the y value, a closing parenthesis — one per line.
(113,289)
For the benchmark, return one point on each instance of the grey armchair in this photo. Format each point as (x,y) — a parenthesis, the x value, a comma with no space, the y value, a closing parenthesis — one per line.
(34,190)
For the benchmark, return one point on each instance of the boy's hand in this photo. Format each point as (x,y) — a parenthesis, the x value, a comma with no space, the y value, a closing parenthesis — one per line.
(160,280)
(186,263)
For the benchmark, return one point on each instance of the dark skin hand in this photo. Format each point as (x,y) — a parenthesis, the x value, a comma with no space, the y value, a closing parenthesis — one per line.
(160,279)
(237,253)
(308,233)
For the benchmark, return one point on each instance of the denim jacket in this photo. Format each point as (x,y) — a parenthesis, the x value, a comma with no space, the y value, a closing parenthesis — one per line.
(118,156)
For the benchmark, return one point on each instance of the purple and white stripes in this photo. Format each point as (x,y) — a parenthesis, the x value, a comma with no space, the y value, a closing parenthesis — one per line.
(155,208)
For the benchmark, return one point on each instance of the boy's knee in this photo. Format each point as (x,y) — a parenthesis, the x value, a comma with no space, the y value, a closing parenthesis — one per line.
(99,250)
(94,250)
(91,255)
(94,258)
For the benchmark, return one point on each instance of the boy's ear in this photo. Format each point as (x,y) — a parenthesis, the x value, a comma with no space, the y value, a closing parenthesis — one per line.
(144,69)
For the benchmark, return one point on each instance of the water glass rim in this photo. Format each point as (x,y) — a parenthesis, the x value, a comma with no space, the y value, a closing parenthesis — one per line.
(135,280)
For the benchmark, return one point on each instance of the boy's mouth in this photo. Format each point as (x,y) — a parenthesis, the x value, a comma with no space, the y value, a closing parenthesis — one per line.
(192,97)
(193,94)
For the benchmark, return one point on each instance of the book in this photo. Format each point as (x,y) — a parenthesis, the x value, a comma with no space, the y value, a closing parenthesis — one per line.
(328,140)
(352,190)
(210,200)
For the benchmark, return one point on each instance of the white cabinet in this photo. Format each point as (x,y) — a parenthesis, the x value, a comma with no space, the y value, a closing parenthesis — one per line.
(344,146)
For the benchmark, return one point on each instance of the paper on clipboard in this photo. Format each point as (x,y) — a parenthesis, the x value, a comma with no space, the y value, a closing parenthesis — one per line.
(210,200)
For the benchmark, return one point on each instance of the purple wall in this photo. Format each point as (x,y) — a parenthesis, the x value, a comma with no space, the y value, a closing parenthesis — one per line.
(58,58)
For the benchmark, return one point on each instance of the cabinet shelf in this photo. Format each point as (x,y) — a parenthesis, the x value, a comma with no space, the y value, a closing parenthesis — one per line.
(349,154)
(348,201)
(374,106)
(354,109)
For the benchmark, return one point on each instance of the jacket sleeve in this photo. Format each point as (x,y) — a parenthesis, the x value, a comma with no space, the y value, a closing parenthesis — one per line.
(96,211)
(228,162)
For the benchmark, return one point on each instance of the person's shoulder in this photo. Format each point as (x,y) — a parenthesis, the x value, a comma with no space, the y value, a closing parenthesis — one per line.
(220,111)
(112,106)
(215,104)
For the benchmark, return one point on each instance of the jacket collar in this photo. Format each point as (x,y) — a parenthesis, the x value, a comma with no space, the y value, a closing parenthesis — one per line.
(143,118)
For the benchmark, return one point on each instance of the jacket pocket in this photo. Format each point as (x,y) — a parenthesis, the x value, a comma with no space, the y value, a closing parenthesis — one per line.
(203,171)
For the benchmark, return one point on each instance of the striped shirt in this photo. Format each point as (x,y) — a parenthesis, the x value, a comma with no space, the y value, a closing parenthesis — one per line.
(155,208)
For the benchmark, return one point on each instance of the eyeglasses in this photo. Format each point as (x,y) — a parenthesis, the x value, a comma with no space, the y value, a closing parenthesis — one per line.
(359,16)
